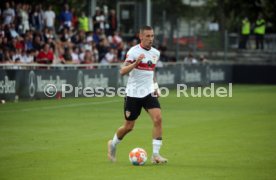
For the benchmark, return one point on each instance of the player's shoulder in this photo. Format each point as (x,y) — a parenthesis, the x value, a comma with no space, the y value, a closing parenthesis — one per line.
(155,51)
(134,48)
(132,52)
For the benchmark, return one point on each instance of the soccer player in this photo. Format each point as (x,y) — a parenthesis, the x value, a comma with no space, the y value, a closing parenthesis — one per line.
(141,91)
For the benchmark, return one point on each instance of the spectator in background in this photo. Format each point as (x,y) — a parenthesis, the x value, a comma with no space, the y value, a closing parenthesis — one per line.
(66,17)
(88,59)
(103,48)
(110,57)
(6,45)
(98,20)
(1,53)
(12,31)
(96,24)
(78,37)
(74,18)
(89,36)
(66,37)
(112,21)
(121,51)
(83,22)
(102,35)
(24,15)
(28,57)
(49,18)
(7,57)
(37,18)
(67,55)
(2,31)
(28,44)
(48,34)
(19,43)
(59,55)
(28,41)
(8,14)
(202,59)
(12,44)
(115,39)
(1,46)
(75,55)
(18,55)
(259,31)
(37,42)
(190,59)
(96,36)
(17,20)
(45,56)
(95,52)
(53,44)
(245,32)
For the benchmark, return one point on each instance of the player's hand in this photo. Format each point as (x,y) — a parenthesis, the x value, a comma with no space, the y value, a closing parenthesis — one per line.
(140,58)
(156,93)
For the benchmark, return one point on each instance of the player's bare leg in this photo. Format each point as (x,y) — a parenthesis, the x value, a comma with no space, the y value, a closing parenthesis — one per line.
(126,128)
(119,135)
(156,117)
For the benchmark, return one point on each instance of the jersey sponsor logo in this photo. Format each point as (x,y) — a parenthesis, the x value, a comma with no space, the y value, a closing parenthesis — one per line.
(146,66)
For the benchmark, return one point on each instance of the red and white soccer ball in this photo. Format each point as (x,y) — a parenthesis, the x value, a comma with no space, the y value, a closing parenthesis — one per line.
(138,156)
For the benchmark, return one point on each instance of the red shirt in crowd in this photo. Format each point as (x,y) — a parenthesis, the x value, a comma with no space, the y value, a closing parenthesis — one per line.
(45,57)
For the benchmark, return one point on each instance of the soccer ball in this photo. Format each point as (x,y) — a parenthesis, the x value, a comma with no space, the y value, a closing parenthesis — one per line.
(138,156)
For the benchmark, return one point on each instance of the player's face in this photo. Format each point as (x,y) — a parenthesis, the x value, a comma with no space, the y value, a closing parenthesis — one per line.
(146,38)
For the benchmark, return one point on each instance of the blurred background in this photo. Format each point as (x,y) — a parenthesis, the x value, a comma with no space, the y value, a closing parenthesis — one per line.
(211,28)
(96,34)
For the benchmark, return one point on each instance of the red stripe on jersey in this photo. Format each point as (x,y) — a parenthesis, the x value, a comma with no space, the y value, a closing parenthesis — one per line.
(130,61)
(144,66)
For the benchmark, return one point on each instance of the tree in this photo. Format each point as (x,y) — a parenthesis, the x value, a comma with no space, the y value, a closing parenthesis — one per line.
(230,13)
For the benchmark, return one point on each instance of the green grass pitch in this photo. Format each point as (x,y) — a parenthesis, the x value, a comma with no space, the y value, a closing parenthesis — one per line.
(204,138)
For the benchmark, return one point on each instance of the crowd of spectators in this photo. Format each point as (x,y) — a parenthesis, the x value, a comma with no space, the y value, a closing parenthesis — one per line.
(34,34)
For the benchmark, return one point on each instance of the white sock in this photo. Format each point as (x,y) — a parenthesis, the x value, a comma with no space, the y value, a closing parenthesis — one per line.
(115,140)
(156,145)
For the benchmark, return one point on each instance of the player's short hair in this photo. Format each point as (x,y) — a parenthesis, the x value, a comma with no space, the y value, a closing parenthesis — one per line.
(143,28)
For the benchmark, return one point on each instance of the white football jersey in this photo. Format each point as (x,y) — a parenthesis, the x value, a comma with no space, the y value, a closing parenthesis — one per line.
(140,81)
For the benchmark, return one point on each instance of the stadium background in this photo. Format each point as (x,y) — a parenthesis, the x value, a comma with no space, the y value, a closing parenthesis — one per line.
(204,138)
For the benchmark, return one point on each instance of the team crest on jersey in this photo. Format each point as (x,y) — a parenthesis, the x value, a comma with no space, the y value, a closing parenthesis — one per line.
(127,113)
(149,63)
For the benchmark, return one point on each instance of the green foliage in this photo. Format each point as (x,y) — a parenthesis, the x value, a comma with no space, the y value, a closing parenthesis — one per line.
(174,8)
(234,11)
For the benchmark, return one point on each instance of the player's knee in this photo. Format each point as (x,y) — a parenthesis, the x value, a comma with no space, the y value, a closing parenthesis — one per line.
(157,120)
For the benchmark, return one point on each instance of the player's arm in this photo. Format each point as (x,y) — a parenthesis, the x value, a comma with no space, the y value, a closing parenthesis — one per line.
(156,86)
(157,91)
(127,66)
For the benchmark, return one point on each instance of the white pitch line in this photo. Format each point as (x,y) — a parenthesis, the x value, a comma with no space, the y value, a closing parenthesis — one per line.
(61,106)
